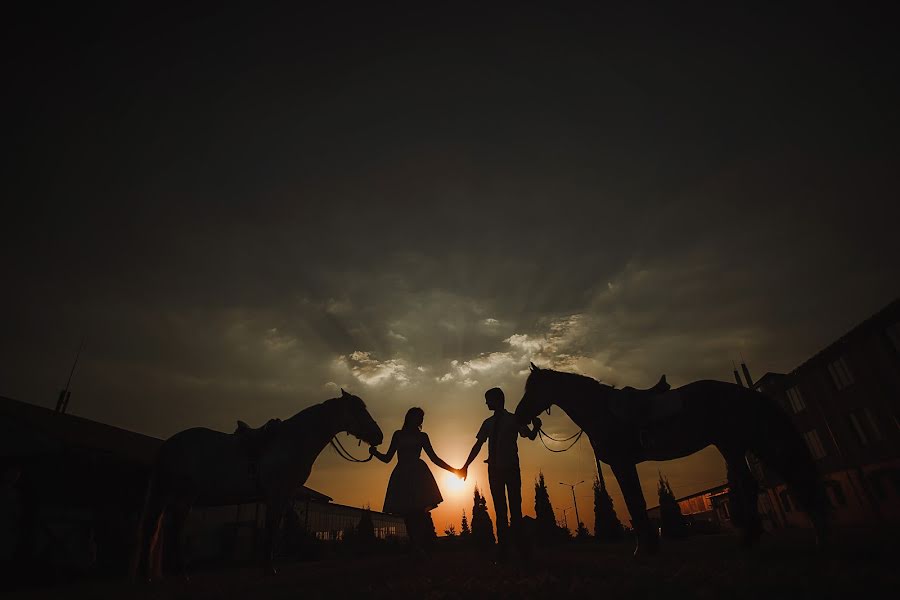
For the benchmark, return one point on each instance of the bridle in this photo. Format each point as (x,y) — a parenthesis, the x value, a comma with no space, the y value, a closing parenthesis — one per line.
(343,453)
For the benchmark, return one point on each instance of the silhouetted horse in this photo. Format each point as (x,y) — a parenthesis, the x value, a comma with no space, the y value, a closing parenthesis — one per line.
(199,466)
(626,427)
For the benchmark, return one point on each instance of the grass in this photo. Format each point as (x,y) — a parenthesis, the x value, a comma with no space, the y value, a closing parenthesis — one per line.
(784,565)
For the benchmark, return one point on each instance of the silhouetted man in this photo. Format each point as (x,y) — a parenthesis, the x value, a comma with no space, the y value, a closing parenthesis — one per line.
(501,431)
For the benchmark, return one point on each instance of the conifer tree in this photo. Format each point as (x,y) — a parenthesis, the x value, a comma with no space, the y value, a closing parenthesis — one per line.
(365,529)
(482,526)
(464,531)
(672,521)
(547,529)
(607,527)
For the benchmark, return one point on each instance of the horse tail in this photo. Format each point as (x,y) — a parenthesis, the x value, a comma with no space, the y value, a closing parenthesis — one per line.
(779,446)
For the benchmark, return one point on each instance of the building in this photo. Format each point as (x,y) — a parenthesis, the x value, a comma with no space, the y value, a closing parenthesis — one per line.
(705,512)
(71,492)
(845,402)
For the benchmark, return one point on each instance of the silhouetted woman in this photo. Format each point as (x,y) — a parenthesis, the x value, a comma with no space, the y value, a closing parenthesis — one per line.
(412,491)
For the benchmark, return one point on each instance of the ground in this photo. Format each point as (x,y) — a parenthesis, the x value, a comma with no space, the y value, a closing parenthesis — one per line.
(784,565)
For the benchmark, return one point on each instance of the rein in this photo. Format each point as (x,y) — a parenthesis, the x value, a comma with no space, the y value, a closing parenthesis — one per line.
(343,453)
(543,434)
(575,437)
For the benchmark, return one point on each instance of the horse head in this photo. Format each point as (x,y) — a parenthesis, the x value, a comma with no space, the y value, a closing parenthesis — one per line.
(538,395)
(356,420)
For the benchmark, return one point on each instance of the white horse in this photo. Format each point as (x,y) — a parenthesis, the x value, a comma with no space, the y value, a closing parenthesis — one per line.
(202,467)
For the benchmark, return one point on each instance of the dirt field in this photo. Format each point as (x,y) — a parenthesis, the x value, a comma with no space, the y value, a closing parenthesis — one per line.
(858,564)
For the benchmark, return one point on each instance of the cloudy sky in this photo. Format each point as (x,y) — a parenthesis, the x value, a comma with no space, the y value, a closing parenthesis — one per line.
(242,211)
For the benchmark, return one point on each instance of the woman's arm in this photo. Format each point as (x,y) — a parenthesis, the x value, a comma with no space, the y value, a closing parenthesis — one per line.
(389,455)
(426,445)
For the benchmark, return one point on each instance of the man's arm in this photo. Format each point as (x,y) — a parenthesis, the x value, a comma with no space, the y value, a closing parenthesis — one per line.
(472,456)
(531,433)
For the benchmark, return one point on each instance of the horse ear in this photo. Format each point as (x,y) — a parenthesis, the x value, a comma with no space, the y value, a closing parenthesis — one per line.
(534,368)
(343,393)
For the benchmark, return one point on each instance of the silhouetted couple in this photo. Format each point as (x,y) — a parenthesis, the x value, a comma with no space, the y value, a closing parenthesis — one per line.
(412,491)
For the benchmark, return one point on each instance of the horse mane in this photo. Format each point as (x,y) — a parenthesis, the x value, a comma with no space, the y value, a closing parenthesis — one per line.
(310,411)
(572,380)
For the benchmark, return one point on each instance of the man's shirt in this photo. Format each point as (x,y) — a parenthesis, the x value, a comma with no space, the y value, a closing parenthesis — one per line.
(502,438)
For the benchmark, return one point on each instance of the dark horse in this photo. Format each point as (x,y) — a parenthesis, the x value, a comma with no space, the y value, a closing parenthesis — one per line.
(202,467)
(734,419)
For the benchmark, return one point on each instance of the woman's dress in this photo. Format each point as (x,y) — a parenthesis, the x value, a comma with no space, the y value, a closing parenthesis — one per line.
(412,487)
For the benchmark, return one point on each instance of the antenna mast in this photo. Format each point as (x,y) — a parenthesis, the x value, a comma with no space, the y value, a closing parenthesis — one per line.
(62,401)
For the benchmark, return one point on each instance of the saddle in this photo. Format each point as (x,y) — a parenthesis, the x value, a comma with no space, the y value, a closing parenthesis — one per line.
(254,440)
(642,406)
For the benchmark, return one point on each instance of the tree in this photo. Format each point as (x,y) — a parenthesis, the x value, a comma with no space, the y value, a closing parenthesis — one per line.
(607,527)
(450,531)
(673,523)
(365,529)
(482,526)
(547,529)
(464,531)
(581,534)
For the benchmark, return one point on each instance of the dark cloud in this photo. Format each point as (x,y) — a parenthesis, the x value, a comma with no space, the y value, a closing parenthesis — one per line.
(242,211)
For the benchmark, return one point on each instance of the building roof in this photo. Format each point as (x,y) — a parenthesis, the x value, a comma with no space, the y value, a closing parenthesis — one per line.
(883,318)
(71,430)
(305,492)
(769,380)
(28,429)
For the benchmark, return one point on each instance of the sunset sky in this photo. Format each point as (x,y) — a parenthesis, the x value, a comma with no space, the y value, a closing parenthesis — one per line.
(243,210)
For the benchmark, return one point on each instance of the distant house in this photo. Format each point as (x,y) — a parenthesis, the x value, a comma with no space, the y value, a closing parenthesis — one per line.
(706,511)
(71,491)
(845,402)
(72,488)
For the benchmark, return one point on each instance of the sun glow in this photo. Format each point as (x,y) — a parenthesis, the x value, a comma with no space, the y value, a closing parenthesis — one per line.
(453,484)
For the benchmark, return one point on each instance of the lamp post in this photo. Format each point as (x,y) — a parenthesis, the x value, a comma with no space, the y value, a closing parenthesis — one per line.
(574,501)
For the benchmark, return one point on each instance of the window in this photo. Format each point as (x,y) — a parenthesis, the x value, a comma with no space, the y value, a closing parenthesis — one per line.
(785,498)
(814,444)
(873,426)
(796,399)
(836,494)
(861,436)
(840,373)
(865,426)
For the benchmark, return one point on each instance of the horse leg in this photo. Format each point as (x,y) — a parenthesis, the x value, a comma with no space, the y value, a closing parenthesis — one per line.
(275,510)
(743,493)
(149,533)
(180,512)
(647,538)
(155,550)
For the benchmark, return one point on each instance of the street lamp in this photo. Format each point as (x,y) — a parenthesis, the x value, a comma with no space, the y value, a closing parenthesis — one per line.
(565,520)
(575,502)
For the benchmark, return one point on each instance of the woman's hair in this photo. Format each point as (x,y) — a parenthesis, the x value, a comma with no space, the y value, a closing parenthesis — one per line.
(413,419)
